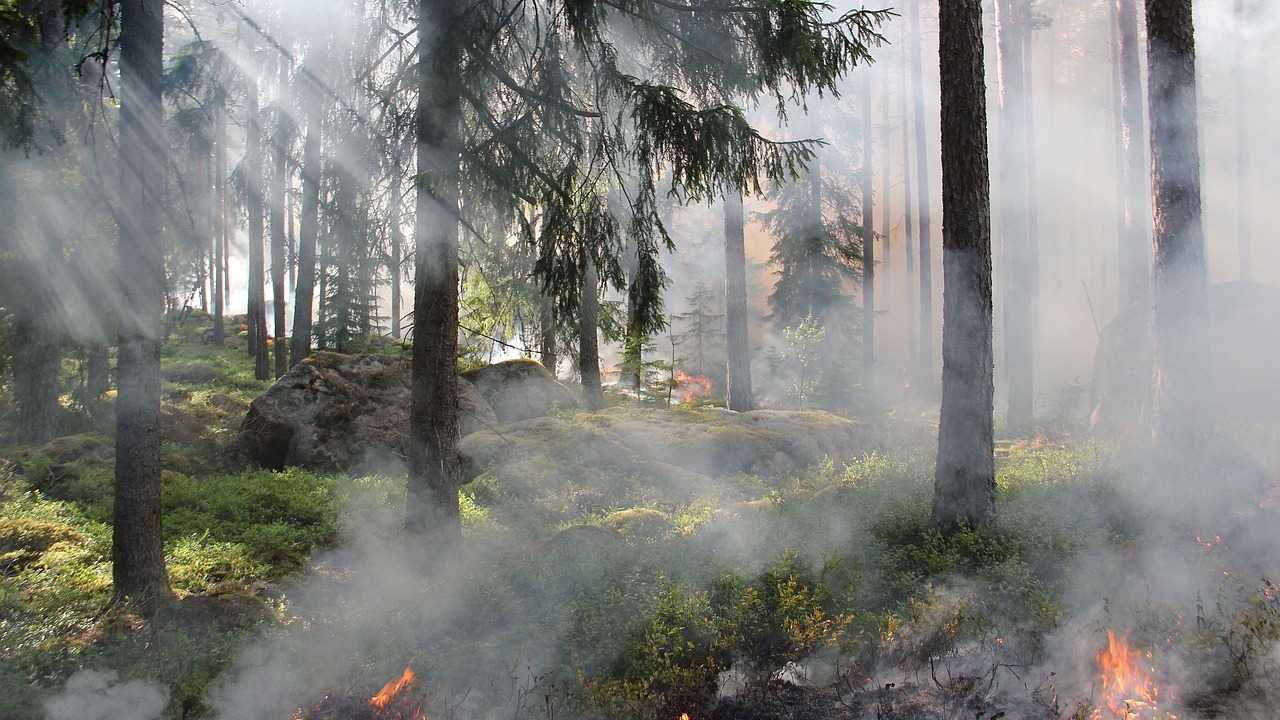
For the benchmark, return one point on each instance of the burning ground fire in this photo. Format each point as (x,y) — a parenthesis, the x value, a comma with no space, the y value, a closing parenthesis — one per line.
(691,387)
(1128,689)
(395,701)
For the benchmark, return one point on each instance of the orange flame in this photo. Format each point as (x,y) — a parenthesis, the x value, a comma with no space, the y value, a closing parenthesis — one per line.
(393,688)
(1128,690)
(690,387)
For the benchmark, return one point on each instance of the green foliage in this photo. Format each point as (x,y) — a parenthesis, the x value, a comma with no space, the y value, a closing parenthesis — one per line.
(817,251)
(802,343)
(672,663)
(783,616)
(277,517)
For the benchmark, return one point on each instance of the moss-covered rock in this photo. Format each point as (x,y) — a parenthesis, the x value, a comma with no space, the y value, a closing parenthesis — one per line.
(24,540)
(520,389)
(334,411)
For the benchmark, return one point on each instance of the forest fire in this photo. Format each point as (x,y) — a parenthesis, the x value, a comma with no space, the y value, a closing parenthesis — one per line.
(1128,690)
(691,387)
(395,701)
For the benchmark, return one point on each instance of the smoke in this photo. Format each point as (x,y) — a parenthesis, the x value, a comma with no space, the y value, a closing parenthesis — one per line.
(95,695)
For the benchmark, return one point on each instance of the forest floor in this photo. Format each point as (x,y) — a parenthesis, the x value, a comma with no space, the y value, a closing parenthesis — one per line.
(1113,583)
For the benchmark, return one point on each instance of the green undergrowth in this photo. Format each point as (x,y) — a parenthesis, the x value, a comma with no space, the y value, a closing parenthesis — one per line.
(591,583)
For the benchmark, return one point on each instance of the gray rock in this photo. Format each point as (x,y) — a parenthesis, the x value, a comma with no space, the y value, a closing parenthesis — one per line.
(520,390)
(338,412)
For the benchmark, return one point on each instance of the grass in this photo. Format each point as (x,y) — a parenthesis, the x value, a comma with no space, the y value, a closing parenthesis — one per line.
(612,592)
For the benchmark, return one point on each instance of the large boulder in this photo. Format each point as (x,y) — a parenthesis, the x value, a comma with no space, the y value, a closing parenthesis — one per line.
(520,390)
(1243,344)
(337,412)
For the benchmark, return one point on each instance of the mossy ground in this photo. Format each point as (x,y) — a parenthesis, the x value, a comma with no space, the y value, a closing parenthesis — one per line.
(593,582)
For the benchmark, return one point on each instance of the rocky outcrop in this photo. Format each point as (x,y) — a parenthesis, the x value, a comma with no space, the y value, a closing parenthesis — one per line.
(335,412)
(673,449)
(1243,344)
(520,390)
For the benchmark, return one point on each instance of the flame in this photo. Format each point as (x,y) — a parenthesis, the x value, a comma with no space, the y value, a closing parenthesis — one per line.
(691,387)
(1128,690)
(393,688)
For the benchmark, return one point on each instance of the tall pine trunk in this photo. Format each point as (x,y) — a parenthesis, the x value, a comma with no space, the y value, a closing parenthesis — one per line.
(220,225)
(868,238)
(432,513)
(588,343)
(547,334)
(908,222)
(737,345)
(1180,277)
(886,198)
(1135,266)
(925,362)
(308,226)
(137,549)
(279,176)
(964,479)
(257,299)
(1014,225)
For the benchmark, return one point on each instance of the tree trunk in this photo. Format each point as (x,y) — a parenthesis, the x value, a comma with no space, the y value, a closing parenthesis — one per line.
(737,345)
(137,551)
(886,197)
(925,363)
(1180,278)
(98,375)
(1015,230)
(397,245)
(908,225)
(868,238)
(308,227)
(1135,273)
(547,345)
(431,508)
(633,344)
(964,480)
(257,305)
(220,226)
(588,344)
(33,302)
(279,175)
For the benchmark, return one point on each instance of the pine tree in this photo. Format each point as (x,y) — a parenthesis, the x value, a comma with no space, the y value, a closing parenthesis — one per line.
(964,477)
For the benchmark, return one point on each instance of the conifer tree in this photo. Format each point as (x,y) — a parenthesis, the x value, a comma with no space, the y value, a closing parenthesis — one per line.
(663,99)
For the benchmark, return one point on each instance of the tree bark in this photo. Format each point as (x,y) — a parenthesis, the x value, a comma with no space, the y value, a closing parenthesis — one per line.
(908,225)
(308,226)
(33,302)
(432,513)
(868,238)
(737,344)
(1134,261)
(137,549)
(886,197)
(925,363)
(257,304)
(547,337)
(1019,322)
(394,270)
(220,225)
(1180,274)
(588,344)
(964,480)
(279,175)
